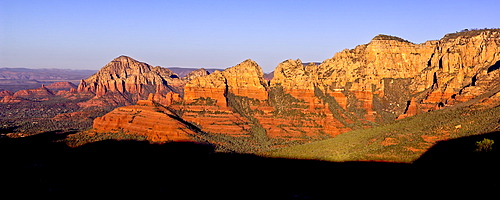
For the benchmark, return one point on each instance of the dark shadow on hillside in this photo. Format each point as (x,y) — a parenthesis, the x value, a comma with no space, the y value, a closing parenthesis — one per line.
(458,162)
(494,67)
(38,166)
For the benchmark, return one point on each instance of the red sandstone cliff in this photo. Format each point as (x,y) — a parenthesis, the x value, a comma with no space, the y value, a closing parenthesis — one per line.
(244,79)
(156,123)
(124,80)
(383,75)
(374,83)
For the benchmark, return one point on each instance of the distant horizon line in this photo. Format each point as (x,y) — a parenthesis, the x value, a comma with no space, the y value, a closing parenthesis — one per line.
(72,69)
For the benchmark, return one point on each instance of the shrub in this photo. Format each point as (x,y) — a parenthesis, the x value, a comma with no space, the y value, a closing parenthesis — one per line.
(485,145)
(284,103)
(468,33)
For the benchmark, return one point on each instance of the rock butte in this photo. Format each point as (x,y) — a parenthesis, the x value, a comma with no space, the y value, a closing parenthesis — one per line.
(124,80)
(61,86)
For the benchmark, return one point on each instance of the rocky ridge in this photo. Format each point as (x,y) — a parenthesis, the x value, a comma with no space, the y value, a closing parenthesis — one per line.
(387,72)
(374,83)
(64,85)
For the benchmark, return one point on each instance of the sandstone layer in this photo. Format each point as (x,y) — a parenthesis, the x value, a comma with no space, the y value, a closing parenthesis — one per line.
(156,123)
(378,82)
(384,75)
(387,79)
(244,79)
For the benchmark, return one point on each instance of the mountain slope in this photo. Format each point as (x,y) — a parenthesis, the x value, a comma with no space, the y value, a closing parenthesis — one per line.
(401,141)
(124,80)
(368,86)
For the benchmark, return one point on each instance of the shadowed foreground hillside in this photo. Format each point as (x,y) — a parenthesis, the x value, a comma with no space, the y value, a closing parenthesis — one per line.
(401,141)
(38,166)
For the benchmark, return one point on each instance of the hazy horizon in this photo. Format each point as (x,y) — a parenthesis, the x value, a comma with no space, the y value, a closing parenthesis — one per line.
(217,34)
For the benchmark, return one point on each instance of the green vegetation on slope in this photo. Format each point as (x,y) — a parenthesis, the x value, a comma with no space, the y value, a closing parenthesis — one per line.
(467,33)
(284,104)
(401,141)
(339,113)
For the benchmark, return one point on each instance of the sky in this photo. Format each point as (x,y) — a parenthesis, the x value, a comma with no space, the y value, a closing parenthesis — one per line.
(218,34)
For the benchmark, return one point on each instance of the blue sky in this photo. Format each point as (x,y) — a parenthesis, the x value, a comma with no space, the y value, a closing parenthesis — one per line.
(217,34)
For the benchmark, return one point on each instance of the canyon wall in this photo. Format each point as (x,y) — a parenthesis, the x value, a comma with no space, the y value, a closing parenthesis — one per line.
(378,82)
(387,79)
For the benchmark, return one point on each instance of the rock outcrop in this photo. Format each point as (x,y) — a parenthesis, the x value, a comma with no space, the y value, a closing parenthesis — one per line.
(126,80)
(13,99)
(382,76)
(58,86)
(461,68)
(35,94)
(156,123)
(378,82)
(244,79)
(195,74)
(239,102)
(387,79)
(4,93)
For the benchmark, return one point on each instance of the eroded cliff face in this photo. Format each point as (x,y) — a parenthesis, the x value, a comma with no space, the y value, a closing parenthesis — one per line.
(382,76)
(463,67)
(214,102)
(124,80)
(374,83)
(378,82)
(239,102)
(156,123)
(244,79)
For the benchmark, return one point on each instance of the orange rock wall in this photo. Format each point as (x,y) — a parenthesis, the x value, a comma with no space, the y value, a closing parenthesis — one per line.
(146,120)
(386,78)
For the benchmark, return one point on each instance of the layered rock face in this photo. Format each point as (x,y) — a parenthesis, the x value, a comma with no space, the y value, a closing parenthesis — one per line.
(239,102)
(463,67)
(244,79)
(372,83)
(156,123)
(126,80)
(209,101)
(381,77)
(378,82)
